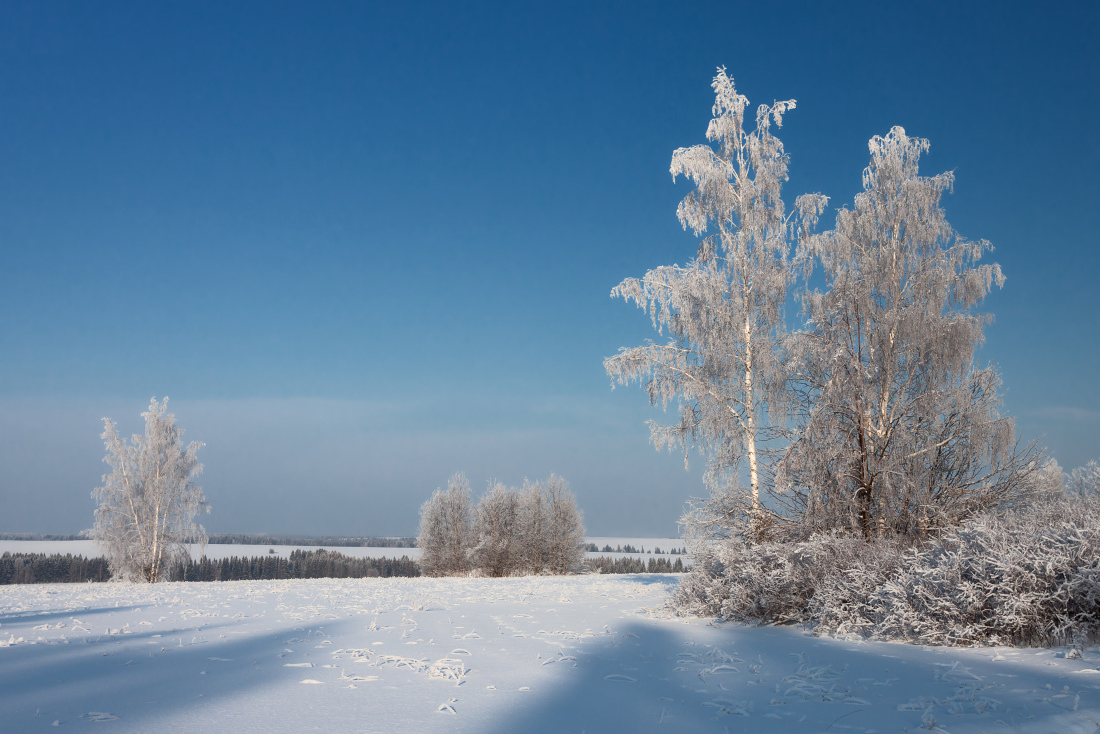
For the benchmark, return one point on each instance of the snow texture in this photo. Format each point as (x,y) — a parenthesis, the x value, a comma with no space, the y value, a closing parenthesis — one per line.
(576,653)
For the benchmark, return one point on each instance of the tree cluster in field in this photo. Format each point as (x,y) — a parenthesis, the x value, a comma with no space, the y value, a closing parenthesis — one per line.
(536,529)
(40,568)
(313,564)
(873,417)
(632,565)
(887,493)
(325,540)
(1025,576)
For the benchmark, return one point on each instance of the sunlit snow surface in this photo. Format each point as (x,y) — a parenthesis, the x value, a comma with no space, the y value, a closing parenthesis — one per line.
(592,653)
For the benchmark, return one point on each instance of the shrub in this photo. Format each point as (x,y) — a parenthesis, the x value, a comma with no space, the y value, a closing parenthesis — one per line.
(1026,576)
(1030,576)
(774,583)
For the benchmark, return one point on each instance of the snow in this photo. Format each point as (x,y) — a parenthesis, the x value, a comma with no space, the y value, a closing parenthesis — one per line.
(595,653)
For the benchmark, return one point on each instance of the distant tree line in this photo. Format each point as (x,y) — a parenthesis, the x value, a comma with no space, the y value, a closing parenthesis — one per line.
(39,568)
(44,536)
(324,540)
(628,548)
(633,565)
(319,564)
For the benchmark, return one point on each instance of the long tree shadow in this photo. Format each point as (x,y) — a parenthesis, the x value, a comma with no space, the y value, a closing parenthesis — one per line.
(141,677)
(671,675)
(41,615)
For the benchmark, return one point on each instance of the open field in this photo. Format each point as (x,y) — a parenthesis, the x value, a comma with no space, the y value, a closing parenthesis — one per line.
(593,653)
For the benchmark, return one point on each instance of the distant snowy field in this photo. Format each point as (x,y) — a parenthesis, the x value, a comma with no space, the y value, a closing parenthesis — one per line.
(594,653)
(87,548)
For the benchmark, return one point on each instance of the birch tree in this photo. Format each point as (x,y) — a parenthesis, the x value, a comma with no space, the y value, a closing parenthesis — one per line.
(1084,480)
(564,527)
(446,529)
(497,543)
(724,311)
(532,527)
(902,430)
(149,501)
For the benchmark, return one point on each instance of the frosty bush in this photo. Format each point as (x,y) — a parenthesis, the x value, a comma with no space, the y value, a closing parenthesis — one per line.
(1026,576)
(1030,576)
(775,583)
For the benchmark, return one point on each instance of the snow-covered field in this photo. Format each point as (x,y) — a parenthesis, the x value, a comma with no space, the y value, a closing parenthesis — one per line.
(87,548)
(583,653)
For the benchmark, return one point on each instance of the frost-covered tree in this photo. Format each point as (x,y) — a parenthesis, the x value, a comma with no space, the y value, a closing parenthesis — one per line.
(532,524)
(723,311)
(564,527)
(497,549)
(1049,479)
(446,530)
(902,431)
(149,501)
(1085,479)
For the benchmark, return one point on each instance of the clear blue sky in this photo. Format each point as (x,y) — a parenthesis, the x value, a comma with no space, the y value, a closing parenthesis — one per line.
(364,245)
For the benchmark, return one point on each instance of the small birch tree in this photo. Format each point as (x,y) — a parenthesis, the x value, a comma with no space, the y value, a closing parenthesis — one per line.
(723,311)
(446,530)
(533,527)
(564,527)
(149,501)
(902,431)
(497,549)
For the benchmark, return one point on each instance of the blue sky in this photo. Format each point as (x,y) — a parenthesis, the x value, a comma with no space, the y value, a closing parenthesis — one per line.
(363,246)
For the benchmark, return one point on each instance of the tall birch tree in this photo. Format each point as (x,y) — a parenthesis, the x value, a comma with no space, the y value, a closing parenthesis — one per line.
(902,432)
(723,311)
(149,501)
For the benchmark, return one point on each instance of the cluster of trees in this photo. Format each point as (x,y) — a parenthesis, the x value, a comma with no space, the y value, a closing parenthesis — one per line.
(40,568)
(149,502)
(319,564)
(874,417)
(535,529)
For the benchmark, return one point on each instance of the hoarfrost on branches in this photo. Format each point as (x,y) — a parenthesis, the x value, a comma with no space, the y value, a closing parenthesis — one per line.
(901,430)
(536,529)
(564,527)
(446,529)
(1085,479)
(723,311)
(496,525)
(149,501)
